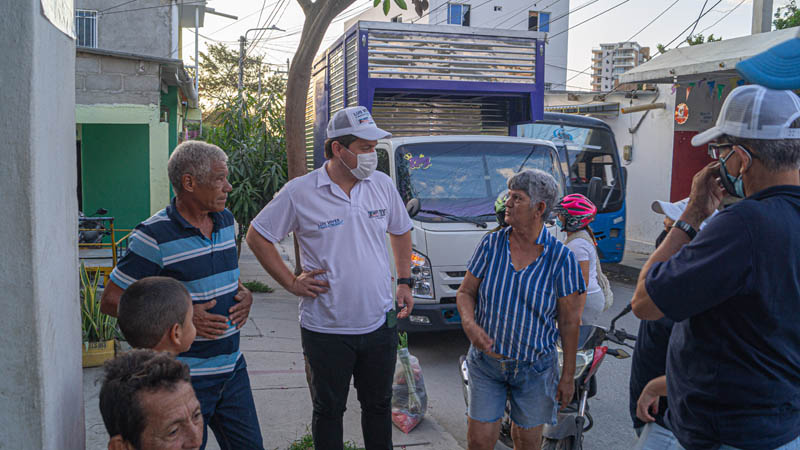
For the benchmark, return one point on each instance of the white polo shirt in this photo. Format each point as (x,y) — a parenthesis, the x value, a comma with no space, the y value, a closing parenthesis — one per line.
(346,237)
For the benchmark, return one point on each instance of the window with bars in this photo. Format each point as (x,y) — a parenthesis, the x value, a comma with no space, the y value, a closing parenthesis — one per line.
(86,28)
(458,14)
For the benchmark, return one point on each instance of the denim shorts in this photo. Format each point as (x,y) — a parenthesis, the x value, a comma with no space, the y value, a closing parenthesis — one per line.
(530,386)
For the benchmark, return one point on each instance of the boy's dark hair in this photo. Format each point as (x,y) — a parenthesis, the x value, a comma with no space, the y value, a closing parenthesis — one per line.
(128,375)
(345,140)
(149,308)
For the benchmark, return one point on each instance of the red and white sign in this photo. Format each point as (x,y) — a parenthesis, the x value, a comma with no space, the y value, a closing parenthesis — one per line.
(681,113)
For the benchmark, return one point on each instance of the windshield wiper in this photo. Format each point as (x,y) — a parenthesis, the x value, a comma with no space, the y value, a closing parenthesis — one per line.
(454,217)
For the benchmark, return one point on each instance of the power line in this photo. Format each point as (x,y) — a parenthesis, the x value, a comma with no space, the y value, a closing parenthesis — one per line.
(513,14)
(566,14)
(115,7)
(687,28)
(632,36)
(151,7)
(590,18)
(698,19)
(727,13)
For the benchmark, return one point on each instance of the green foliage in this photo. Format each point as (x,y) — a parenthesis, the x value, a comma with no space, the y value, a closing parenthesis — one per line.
(219,73)
(95,326)
(307,443)
(694,39)
(253,134)
(402,338)
(698,39)
(257,286)
(787,16)
(387,4)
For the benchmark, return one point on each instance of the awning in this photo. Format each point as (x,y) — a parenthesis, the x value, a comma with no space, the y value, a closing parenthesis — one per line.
(717,59)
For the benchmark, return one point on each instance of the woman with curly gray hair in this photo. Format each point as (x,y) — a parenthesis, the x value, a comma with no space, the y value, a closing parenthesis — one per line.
(521,291)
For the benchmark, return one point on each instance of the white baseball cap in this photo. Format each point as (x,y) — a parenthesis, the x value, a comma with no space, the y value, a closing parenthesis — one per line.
(755,112)
(357,121)
(675,209)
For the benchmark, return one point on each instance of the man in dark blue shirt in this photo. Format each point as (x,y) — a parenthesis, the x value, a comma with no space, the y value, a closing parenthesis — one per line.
(733,364)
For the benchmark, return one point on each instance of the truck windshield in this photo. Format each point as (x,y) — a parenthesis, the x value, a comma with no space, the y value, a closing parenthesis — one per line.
(584,153)
(465,178)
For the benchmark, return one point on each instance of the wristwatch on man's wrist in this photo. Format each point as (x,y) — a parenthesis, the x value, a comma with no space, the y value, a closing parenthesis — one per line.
(686,228)
(407,281)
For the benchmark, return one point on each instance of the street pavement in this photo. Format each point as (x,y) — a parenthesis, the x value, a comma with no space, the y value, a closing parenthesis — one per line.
(271,343)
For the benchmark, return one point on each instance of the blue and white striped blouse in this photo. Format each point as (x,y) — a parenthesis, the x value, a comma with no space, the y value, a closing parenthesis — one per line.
(518,309)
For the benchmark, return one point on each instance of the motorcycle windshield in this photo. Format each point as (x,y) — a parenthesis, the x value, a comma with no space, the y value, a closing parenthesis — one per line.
(464,178)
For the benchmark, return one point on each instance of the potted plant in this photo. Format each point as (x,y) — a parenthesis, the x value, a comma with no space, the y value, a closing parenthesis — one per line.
(99,330)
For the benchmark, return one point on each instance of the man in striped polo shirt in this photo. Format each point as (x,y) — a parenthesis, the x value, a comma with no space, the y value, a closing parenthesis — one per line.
(192,240)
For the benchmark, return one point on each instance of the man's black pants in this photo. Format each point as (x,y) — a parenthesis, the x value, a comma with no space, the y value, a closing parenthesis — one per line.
(331,361)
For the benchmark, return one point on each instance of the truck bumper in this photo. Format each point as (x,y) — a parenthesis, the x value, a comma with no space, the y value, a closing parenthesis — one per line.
(432,317)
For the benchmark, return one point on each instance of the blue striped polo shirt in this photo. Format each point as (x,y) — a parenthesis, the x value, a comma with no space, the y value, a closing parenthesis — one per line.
(167,245)
(518,309)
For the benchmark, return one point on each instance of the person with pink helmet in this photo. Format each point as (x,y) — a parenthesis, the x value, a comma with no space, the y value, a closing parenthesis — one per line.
(576,212)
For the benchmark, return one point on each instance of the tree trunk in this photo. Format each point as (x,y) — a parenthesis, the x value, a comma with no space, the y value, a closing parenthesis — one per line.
(319,15)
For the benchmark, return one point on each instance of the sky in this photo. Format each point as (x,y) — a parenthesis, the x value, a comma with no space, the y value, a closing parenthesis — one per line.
(729,19)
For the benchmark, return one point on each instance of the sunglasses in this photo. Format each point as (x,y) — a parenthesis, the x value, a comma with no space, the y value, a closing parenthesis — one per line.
(715,150)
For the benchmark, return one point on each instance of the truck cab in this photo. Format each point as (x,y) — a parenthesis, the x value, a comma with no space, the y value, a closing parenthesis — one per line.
(456,180)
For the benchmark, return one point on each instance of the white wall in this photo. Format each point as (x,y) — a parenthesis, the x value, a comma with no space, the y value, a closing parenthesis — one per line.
(377,15)
(650,170)
(41,400)
(514,15)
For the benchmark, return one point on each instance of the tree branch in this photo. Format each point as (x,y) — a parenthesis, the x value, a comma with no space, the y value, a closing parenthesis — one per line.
(306,5)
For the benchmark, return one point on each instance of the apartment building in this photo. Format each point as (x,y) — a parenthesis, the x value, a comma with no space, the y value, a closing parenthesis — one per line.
(611,60)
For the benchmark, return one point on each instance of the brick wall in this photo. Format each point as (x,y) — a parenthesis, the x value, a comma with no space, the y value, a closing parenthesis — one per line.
(103,79)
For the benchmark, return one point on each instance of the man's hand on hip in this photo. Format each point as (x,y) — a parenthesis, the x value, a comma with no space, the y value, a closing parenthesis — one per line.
(241,311)
(209,326)
(404,300)
(305,285)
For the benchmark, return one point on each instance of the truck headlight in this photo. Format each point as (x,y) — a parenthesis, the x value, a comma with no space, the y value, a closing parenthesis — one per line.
(422,275)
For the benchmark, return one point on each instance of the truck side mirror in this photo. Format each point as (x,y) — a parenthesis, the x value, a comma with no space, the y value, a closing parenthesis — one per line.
(595,191)
(413,207)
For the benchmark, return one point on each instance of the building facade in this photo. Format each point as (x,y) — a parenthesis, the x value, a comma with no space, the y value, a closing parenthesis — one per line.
(132,98)
(548,17)
(612,60)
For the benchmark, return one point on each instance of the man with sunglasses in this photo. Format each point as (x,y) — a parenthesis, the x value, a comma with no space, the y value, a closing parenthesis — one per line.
(733,289)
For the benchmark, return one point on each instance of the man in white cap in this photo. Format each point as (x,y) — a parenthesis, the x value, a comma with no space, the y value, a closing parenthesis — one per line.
(733,289)
(340,214)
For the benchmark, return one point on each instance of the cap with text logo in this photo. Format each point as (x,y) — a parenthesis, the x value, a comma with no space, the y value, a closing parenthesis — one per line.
(755,112)
(357,121)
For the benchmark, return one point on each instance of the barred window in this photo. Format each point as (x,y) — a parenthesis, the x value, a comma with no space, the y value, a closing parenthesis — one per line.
(86,28)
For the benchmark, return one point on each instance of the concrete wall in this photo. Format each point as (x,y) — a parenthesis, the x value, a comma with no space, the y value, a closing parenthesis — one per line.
(650,169)
(41,403)
(377,15)
(514,15)
(103,79)
(132,29)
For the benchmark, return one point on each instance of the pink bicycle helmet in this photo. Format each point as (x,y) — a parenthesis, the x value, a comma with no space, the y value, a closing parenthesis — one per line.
(578,211)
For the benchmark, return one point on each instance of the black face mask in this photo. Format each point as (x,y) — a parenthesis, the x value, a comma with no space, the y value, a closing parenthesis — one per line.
(661,238)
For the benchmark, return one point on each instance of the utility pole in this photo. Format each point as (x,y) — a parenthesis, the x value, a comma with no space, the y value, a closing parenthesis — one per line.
(762,16)
(242,45)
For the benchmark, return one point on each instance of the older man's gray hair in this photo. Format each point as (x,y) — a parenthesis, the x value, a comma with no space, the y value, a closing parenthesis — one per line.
(776,155)
(539,185)
(193,158)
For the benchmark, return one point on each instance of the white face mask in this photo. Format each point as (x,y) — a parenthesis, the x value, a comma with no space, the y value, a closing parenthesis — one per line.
(367,163)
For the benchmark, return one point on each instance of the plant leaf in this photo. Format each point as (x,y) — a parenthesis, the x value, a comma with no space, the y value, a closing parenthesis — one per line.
(376,3)
(401,4)
(386,5)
